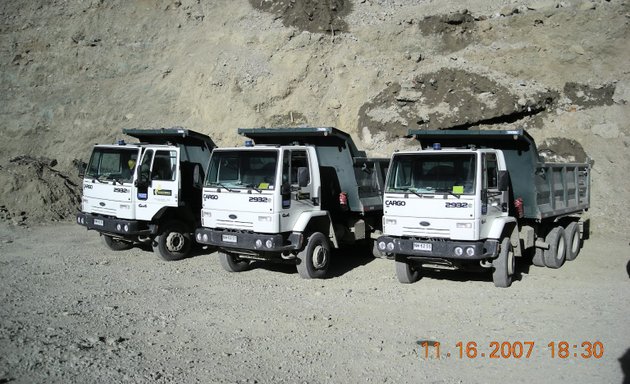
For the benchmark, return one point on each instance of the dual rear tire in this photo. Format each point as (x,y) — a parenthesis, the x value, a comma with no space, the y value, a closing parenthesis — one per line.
(564,245)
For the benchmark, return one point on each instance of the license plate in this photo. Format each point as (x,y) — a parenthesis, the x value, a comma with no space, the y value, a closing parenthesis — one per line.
(422,247)
(98,222)
(229,238)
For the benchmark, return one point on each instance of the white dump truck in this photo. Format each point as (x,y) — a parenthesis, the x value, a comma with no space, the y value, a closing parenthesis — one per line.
(147,192)
(295,195)
(481,198)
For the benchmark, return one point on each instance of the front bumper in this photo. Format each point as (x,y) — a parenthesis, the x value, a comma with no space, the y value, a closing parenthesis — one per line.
(114,226)
(440,249)
(247,241)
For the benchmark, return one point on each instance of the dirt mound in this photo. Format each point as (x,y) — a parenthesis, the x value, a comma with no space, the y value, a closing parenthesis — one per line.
(448,99)
(456,29)
(308,15)
(32,191)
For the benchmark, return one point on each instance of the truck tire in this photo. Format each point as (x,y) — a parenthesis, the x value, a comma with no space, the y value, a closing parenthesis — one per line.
(232,263)
(173,241)
(554,256)
(115,244)
(405,272)
(314,260)
(538,259)
(504,265)
(574,242)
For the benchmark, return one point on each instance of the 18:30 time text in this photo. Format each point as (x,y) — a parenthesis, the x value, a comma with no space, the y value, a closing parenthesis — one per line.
(511,350)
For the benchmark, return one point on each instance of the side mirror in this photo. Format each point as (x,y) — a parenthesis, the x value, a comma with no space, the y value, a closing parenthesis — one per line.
(285,193)
(302,176)
(504,181)
(81,167)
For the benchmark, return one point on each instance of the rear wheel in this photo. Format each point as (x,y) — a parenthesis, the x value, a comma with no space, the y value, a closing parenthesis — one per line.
(232,263)
(173,242)
(504,265)
(574,242)
(405,272)
(554,256)
(116,244)
(314,260)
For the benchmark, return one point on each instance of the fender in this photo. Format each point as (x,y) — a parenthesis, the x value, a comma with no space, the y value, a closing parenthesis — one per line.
(498,225)
(307,217)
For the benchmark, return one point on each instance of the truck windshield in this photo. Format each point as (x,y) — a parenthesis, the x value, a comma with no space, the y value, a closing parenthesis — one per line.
(243,169)
(432,173)
(116,164)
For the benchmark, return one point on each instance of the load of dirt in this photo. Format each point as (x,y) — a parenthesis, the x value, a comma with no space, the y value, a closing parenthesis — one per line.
(308,15)
(31,192)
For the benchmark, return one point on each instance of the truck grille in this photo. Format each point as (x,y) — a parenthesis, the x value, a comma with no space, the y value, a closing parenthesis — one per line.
(426,232)
(235,224)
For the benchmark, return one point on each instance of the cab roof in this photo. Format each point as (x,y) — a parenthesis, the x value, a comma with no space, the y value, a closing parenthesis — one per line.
(175,135)
(317,136)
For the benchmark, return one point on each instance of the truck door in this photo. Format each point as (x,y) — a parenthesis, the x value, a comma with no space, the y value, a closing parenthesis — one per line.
(295,198)
(493,201)
(158,181)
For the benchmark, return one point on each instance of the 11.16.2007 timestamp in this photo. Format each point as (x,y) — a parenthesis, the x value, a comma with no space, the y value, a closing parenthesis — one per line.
(510,350)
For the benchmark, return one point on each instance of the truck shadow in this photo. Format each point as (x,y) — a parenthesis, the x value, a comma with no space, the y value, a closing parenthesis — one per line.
(342,262)
(624,361)
(475,273)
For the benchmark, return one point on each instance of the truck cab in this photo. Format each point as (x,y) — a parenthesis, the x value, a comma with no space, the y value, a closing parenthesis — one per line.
(291,197)
(147,192)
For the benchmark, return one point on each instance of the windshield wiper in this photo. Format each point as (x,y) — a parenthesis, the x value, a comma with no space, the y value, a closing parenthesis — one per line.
(448,191)
(98,178)
(412,191)
(252,186)
(223,185)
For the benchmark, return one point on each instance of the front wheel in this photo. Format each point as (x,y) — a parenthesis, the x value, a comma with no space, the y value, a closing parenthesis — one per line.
(314,260)
(232,263)
(504,265)
(173,242)
(405,272)
(116,244)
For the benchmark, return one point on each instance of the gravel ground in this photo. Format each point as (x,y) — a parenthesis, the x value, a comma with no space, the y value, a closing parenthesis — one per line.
(73,311)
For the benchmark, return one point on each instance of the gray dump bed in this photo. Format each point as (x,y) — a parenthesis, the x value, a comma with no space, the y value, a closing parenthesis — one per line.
(547,189)
(195,147)
(360,177)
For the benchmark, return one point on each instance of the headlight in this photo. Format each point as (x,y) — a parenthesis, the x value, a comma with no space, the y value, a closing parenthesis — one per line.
(126,227)
(470,251)
(125,206)
(459,251)
(381,245)
(205,237)
(205,213)
(269,243)
(198,237)
(118,227)
(390,221)
(390,246)
(464,225)
(266,219)
(258,243)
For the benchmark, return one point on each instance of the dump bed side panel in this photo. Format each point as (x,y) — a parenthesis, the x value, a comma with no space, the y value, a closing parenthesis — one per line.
(562,188)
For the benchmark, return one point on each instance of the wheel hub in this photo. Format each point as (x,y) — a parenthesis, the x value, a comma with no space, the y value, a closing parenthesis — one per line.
(320,257)
(175,242)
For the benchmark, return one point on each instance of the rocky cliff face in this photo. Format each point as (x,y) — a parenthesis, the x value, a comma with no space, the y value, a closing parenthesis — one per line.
(76,73)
